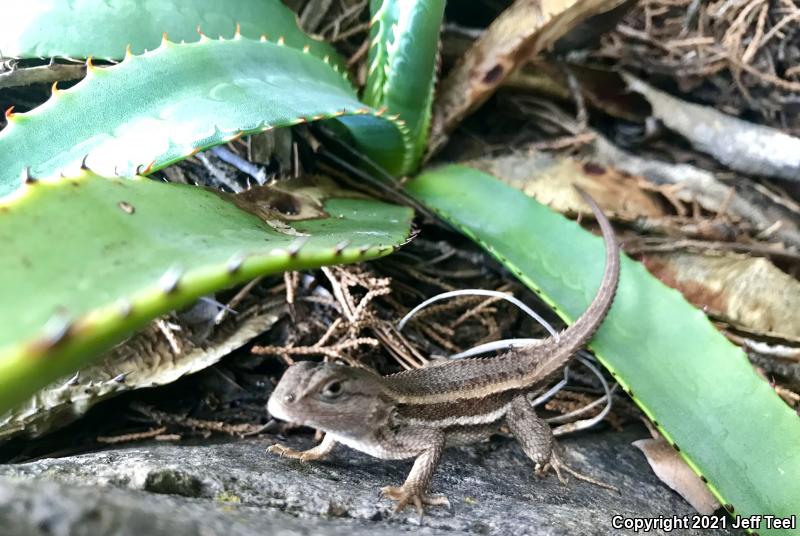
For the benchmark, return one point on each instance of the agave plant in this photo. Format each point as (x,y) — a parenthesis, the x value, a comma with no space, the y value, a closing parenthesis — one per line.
(93,251)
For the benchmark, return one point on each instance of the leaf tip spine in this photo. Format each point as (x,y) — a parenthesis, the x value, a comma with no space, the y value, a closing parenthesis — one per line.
(237,34)
(306,49)
(54,89)
(203,37)
(340,247)
(281,41)
(124,308)
(296,245)
(90,68)
(128,52)
(57,330)
(170,280)
(27,178)
(9,113)
(235,263)
(263,38)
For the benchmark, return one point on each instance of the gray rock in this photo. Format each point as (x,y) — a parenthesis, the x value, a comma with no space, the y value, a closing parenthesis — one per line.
(236,488)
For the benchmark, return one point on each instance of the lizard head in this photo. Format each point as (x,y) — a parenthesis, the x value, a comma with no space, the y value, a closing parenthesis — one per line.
(330,397)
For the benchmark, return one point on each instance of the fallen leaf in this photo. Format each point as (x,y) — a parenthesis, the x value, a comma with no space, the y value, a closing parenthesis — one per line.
(670,468)
(742,146)
(519,33)
(749,293)
(551,180)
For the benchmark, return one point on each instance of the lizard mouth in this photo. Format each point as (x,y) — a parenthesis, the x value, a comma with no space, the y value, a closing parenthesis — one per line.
(277,409)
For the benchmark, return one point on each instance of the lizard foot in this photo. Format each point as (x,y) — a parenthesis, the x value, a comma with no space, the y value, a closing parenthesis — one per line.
(558,465)
(407,495)
(288,452)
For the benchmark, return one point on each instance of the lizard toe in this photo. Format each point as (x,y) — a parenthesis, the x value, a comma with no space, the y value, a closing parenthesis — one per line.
(406,497)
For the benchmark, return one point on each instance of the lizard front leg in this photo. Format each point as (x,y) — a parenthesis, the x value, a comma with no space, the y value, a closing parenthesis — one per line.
(413,491)
(315,453)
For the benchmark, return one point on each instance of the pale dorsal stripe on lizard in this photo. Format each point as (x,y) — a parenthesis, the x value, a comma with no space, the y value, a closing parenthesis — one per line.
(515,369)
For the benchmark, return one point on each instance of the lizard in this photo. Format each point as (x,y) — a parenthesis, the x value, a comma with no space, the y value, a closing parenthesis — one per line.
(417,413)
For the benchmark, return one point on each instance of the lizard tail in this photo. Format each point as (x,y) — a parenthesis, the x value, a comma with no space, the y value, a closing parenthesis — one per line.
(579,333)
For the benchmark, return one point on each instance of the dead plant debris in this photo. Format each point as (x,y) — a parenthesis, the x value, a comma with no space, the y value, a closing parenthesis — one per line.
(741,56)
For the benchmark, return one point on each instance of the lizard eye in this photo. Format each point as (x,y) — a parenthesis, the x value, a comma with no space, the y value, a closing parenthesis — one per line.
(333,389)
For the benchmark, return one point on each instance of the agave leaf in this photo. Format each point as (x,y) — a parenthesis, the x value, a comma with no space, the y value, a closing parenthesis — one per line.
(404,45)
(146,359)
(95,258)
(697,387)
(102,29)
(157,108)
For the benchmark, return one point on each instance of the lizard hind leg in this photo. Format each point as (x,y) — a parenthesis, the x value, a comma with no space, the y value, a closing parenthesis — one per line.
(536,439)
(533,434)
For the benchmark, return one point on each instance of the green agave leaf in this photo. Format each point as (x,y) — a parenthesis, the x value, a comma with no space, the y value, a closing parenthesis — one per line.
(402,65)
(102,29)
(697,387)
(95,258)
(146,359)
(155,109)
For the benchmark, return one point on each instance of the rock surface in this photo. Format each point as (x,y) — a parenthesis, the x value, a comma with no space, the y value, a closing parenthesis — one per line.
(234,488)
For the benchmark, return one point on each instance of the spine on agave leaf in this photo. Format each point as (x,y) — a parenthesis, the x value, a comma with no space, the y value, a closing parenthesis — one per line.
(403,57)
(102,29)
(160,107)
(89,259)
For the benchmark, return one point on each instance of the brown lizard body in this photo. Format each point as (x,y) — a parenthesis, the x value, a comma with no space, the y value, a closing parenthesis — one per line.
(417,413)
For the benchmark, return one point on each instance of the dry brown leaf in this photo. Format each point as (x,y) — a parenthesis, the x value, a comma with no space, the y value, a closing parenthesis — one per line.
(521,32)
(693,184)
(550,181)
(749,293)
(670,468)
(742,146)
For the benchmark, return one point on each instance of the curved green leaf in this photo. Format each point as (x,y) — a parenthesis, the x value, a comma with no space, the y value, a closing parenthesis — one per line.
(95,258)
(697,387)
(402,65)
(102,29)
(155,109)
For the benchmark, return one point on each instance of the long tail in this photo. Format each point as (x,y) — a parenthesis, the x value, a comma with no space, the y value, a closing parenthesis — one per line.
(551,355)
(574,337)
(517,368)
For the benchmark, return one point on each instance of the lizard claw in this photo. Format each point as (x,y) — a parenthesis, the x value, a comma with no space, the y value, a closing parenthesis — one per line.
(405,496)
(288,452)
(557,464)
